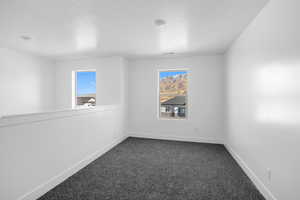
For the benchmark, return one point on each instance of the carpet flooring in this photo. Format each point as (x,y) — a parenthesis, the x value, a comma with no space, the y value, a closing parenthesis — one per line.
(146,169)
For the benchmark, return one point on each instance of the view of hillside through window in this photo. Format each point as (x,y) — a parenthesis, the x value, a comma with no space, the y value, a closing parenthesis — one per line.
(86,88)
(173,86)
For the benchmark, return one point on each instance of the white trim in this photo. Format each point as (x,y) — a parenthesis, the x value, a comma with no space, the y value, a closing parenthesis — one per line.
(250,173)
(175,138)
(54,181)
(73,103)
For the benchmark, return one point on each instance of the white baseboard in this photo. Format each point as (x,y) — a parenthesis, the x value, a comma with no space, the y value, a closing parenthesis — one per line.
(257,182)
(54,181)
(250,173)
(175,138)
(51,183)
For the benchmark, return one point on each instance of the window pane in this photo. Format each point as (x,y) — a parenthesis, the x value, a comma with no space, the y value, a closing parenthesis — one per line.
(86,88)
(173,86)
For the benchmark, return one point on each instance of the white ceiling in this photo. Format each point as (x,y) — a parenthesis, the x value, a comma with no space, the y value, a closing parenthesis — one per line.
(68,28)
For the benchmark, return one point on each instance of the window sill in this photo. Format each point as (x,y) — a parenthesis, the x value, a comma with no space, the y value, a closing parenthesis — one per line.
(175,119)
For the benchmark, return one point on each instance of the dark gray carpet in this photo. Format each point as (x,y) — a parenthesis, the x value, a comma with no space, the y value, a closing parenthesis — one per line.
(145,169)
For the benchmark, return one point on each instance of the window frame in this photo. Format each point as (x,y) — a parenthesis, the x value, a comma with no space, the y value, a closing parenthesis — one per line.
(187,117)
(74,87)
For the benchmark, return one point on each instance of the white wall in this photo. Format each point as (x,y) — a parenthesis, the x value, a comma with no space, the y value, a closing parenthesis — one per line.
(111,80)
(263,68)
(26,83)
(39,151)
(206,99)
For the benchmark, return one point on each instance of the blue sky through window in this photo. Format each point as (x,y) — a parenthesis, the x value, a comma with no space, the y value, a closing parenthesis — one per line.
(86,83)
(170,73)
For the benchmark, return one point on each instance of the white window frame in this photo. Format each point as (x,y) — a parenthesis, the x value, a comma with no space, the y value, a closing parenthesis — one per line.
(74,86)
(158,93)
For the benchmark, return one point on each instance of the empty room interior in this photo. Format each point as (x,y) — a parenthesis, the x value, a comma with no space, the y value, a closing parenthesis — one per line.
(149,100)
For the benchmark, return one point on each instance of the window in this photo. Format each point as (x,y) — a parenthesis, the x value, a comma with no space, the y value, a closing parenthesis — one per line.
(173,87)
(85,88)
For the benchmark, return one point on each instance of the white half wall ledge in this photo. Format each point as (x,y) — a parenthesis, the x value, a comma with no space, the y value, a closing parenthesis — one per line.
(47,144)
(167,136)
(12,120)
(250,173)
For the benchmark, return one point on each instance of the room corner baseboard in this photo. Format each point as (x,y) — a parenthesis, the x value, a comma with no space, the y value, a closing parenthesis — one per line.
(250,173)
(174,138)
(54,181)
